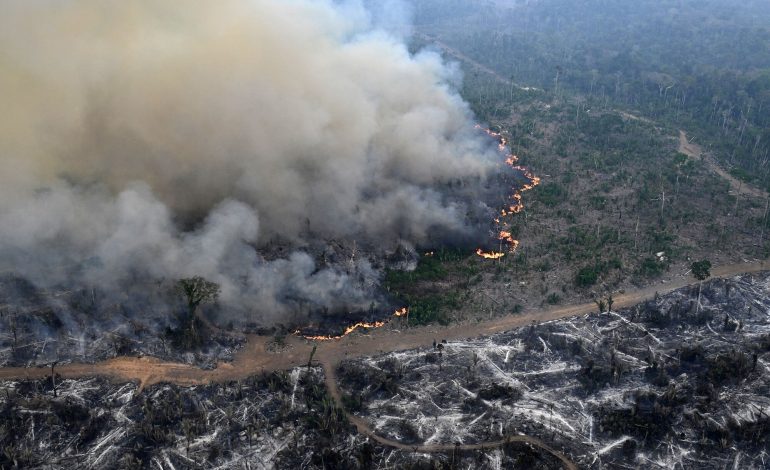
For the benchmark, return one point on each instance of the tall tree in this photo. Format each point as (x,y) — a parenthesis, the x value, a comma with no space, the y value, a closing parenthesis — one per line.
(197,291)
(701,270)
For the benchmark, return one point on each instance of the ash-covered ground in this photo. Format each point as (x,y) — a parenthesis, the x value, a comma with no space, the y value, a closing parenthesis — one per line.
(666,384)
(42,326)
(282,419)
(74,321)
(279,420)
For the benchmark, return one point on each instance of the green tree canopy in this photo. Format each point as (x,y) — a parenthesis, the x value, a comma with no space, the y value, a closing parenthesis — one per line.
(198,290)
(701,270)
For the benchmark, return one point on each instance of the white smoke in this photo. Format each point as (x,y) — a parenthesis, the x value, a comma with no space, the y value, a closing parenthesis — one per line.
(168,139)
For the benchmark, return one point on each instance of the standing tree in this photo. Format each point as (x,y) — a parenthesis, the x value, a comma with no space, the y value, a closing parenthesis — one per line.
(600,304)
(196,290)
(310,360)
(188,428)
(701,270)
(53,377)
(14,329)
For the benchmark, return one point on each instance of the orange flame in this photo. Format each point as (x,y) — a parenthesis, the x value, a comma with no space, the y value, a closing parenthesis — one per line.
(517,206)
(366,325)
(512,160)
(489,254)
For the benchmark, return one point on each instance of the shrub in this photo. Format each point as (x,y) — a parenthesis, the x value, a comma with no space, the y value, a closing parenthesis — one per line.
(650,267)
(587,276)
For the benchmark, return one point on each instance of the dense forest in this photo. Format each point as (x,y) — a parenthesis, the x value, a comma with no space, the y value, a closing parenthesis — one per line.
(701,65)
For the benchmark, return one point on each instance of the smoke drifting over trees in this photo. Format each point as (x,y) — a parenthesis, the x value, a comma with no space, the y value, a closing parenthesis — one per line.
(165,140)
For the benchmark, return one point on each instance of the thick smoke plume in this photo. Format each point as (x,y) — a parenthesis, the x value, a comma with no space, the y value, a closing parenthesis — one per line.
(160,139)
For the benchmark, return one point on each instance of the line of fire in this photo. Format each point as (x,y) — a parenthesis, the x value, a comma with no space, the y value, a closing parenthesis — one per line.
(502,221)
(508,244)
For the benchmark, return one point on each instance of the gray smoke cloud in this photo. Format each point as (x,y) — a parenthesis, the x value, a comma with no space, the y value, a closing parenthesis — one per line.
(164,139)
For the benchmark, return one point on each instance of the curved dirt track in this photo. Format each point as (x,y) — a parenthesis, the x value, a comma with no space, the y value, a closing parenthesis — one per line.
(364,428)
(695,151)
(255,357)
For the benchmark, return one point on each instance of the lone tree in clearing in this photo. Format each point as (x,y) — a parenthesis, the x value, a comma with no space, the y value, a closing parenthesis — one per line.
(600,304)
(196,290)
(701,270)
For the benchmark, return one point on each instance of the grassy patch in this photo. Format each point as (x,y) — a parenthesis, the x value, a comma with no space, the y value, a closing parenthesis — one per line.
(650,267)
(418,290)
(551,194)
(589,275)
(429,268)
(431,308)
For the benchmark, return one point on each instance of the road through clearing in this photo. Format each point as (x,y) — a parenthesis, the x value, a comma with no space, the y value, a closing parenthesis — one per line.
(255,357)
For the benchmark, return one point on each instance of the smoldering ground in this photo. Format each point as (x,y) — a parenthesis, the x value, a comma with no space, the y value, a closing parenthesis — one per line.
(155,140)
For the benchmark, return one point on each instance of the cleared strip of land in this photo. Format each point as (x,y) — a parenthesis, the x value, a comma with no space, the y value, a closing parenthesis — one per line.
(255,358)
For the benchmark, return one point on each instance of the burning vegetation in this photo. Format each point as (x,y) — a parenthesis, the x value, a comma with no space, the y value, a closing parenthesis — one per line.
(508,244)
(185,166)
(359,325)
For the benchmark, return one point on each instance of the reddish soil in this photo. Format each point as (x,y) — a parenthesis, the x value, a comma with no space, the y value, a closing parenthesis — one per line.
(255,357)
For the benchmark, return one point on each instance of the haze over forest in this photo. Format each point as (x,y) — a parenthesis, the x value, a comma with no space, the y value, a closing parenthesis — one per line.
(354,234)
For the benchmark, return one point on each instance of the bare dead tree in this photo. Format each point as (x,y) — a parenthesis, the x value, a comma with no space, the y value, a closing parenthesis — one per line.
(53,377)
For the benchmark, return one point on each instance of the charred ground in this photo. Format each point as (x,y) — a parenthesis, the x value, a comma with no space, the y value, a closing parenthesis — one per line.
(662,383)
(281,420)
(666,383)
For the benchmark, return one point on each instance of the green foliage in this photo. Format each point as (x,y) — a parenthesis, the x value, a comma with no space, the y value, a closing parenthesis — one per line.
(198,290)
(587,276)
(702,66)
(603,125)
(661,240)
(352,402)
(551,194)
(598,202)
(650,267)
(429,268)
(601,305)
(414,288)
(428,309)
(326,417)
(701,270)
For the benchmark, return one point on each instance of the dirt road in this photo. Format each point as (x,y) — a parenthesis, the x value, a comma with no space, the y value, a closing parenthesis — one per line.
(464,58)
(255,357)
(695,151)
